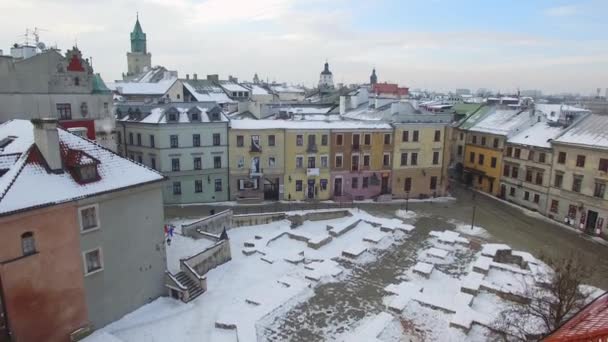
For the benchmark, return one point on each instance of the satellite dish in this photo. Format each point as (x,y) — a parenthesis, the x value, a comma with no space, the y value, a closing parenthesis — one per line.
(41,45)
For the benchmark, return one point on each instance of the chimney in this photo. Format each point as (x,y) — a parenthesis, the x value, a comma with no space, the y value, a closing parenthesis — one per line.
(47,141)
(342,105)
(187,76)
(195,76)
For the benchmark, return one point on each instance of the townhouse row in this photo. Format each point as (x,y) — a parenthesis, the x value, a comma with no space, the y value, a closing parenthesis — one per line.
(551,159)
(209,158)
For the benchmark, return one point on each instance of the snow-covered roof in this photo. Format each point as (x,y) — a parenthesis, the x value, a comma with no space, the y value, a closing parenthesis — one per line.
(256,89)
(306,124)
(205,91)
(591,131)
(553,111)
(231,86)
(540,135)
(28,184)
(287,89)
(502,121)
(143,88)
(158,115)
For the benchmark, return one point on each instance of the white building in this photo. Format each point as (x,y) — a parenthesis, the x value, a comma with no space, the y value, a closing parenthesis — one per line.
(326,79)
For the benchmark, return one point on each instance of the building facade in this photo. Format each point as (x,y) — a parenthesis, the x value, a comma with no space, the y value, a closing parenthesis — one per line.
(188,144)
(326,79)
(257,161)
(139,59)
(361,162)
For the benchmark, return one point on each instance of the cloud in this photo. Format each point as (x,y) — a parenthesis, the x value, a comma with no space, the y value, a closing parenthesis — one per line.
(561,11)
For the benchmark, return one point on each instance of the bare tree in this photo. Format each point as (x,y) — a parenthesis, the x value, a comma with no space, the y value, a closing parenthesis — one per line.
(549,306)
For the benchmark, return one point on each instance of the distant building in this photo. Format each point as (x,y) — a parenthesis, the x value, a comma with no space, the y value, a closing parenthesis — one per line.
(373,79)
(81,228)
(389,90)
(138,59)
(462,91)
(65,87)
(326,79)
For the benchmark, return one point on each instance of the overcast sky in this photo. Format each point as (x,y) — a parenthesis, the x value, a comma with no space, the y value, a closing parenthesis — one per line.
(555,46)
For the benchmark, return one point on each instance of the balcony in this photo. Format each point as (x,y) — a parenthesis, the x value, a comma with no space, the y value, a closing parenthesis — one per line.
(312,148)
(312,171)
(256,173)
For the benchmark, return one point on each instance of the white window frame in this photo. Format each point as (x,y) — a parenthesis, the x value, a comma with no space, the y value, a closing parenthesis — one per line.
(326,161)
(84,261)
(336,158)
(389,159)
(80,210)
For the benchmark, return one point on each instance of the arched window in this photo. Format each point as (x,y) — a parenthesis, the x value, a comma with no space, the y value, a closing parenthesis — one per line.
(28,244)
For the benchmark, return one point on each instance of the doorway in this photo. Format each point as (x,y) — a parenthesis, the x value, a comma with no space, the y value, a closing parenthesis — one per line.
(338,187)
(310,192)
(591,221)
(384,185)
(503,191)
(271,189)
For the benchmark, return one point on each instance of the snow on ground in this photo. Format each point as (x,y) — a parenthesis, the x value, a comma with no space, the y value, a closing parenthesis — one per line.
(279,271)
(405,214)
(475,231)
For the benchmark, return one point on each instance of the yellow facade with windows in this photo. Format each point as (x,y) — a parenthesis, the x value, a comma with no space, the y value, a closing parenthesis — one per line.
(483,161)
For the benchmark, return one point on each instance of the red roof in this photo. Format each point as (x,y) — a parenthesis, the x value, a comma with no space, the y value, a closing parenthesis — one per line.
(389,88)
(589,325)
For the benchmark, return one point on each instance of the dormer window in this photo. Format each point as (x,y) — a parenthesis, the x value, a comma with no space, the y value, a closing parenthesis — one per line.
(87,173)
(196,117)
(195,114)
(172,114)
(172,117)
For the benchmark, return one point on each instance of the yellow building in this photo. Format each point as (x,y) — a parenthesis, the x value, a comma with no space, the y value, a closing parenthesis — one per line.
(419,159)
(307,163)
(257,160)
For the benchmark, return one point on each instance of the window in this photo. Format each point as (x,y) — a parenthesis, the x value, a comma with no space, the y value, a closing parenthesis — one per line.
(152,143)
(577,182)
(138,139)
(367,139)
(480,159)
(416,136)
(483,141)
(472,157)
(323,184)
(217,162)
(355,182)
(386,159)
(140,159)
(572,211)
(433,183)
(153,163)
(403,158)
(515,172)
(272,162)
(561,158)
(459,150)
(530,155)
(495,143)
(64,111)
(493,162)
(461,136)
(339,139)
(130,138)
(509,151)
(366,160)
(216,139)
(324,140)
(559,180)
(580,161)
(517,153)
(197,162)
(536,198)
(324,161)
(512,192)
(526,196)
(599,190)
(387,139)
(299,140)
(356,140)
(172,117)
(175,164)
(88,218)
(505,170)
(435,158)
(118,137)
(405,136)
(218,185)
(240,141)
(437,135)
(312,161)
(365,184)
(93,261)
(354,162)
(603,165)
(198,186)
(554,206)
(414,160)
(539,178)
(528,175)
(299,162)
(177,188)
(407,184)
(174,141)
(28,244)
(194,116)
(196,140)
(298,185)
(271,140)
(474,139)
(338,161)
(542,157)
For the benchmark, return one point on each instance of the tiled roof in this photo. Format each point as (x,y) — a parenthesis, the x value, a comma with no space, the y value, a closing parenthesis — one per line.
(589,324)
(27,182)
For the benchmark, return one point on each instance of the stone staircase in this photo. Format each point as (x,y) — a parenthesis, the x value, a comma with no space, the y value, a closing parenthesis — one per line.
(194,289)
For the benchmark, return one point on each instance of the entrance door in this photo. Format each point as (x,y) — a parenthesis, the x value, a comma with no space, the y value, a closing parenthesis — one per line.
(503,191)
(271,189)
(591,221)
(384,186)
(338,187)
(310,193)
(491,186)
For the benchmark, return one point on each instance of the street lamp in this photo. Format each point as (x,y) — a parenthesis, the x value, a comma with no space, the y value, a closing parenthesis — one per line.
(474,208)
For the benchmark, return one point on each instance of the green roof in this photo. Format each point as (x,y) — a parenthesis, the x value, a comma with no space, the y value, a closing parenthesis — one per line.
(474,117)
(99,86)
(466,108)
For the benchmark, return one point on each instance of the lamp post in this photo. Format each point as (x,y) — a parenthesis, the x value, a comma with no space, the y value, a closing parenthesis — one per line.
(474,208)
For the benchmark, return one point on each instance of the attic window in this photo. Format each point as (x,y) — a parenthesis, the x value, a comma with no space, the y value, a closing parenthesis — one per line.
(6,141)
(172,117)
(195,117)
(215,116)
(87,173)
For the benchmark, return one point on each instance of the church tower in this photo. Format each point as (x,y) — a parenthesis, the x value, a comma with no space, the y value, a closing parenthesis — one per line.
(326,79)
(139,59)
(373,79)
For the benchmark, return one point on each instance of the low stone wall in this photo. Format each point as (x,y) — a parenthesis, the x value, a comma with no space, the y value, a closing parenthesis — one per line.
(255,219)
(213,224)
(297,219)
(210,258)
